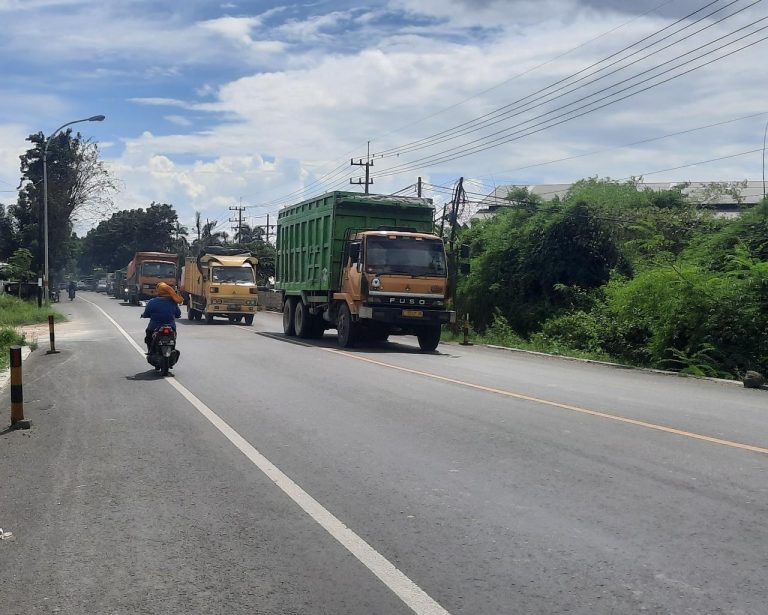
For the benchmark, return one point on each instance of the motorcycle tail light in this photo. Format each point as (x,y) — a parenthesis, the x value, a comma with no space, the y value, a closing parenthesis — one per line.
(166,331)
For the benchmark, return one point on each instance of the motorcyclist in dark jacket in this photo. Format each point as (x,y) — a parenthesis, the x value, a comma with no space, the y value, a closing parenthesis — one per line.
(162,310)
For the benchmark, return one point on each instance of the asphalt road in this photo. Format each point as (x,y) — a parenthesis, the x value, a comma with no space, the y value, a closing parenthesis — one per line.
(270,476)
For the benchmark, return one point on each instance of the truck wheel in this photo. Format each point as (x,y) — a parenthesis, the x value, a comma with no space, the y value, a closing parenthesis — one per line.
(208,319)
(429,338)
(190,313)
(289,316)
(302,320)
(347,330)
(248,320)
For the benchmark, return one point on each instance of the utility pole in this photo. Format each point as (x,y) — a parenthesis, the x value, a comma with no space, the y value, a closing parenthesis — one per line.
(267,228)
(239,209)
(418,188)
(459,197)
(367,164)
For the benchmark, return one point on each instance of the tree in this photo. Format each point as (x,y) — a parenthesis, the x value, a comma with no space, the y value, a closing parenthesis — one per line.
(113,242)
(79,188)
(7,234)
(248,234)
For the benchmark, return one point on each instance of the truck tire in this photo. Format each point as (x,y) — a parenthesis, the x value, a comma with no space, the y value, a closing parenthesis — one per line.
(429,338)
(208,319)
(248,320)
(190,313)
(289,316)
(302,320)
(346,328)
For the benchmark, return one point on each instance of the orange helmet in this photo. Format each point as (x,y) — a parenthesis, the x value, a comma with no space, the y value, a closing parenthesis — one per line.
(163,290)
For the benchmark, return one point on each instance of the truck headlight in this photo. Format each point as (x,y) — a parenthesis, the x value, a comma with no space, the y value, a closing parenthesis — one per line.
(376,283)
(216,301)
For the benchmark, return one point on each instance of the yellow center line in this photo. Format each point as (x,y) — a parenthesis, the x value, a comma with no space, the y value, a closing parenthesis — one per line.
(554,404)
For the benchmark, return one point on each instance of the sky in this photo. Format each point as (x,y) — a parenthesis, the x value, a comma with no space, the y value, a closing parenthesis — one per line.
(212,105)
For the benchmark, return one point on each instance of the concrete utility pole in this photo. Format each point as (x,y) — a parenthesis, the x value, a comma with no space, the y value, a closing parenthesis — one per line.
(418,188)
(239,228)
(367,164)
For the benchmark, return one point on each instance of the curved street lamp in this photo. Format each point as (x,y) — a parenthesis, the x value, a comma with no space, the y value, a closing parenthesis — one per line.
(765,132)
(93,118)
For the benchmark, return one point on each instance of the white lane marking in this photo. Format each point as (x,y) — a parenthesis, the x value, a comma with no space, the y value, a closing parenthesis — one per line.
(403,587)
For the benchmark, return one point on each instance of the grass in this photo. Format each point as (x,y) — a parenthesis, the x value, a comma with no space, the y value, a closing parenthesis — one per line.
(15,312)
(508,339)
(8,337)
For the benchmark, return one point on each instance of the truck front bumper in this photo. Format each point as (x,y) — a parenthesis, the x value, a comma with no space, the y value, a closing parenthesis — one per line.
(407,317)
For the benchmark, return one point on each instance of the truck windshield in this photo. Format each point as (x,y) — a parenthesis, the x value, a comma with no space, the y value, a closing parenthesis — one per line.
(406,255)
(159,270)
(232,275)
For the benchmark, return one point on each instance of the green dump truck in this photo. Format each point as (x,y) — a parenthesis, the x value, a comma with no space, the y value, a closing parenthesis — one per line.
(369,266)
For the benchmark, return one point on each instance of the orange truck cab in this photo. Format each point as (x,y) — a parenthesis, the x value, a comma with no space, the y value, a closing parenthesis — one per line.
(145,271)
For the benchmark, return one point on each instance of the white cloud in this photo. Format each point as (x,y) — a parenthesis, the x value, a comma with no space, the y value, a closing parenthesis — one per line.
(156,101)
(315,100)
(179,120)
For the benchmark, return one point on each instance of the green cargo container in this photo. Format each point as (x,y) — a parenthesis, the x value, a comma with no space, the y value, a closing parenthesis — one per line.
(311,235)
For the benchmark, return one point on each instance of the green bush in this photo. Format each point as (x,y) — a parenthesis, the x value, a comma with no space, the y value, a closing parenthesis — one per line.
(8,337)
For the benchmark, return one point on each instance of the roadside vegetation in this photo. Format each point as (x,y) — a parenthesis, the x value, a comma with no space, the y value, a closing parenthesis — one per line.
(15,312)
(642,278)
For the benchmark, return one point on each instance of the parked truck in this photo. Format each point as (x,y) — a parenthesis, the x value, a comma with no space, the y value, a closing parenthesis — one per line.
(367,265)
(220,282)
(120,290)
(145,271)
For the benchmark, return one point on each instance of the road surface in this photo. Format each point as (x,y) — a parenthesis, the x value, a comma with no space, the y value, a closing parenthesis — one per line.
(273,476)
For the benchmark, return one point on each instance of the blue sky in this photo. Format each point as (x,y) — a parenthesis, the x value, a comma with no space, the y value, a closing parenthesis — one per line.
(208,103)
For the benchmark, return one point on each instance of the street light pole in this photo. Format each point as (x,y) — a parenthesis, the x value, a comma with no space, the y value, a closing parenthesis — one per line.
(94,118)
(765,132)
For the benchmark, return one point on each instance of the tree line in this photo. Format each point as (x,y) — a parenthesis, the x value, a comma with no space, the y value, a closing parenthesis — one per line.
(642,276)
(81,189)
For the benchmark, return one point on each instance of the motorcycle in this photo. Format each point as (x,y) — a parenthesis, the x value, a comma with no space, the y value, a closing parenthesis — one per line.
(71,292)
(54,296)
(162,353)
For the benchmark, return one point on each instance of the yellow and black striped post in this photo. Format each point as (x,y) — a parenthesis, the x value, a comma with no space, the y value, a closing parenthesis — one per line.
(17,395)
(52,336)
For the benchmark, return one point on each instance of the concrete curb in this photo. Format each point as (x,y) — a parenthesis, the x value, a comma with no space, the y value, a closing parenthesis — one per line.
(5,375)
(649,370)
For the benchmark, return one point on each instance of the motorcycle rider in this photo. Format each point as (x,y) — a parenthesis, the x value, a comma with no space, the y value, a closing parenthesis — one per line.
(162,310)
(71,289)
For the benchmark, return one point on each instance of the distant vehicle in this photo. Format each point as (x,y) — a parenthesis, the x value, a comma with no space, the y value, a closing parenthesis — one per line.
(81,285)
(145,271)
(101,285)
(220,282)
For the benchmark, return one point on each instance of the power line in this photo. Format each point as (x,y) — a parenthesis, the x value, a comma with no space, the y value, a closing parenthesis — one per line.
(612,94)
(633,143)
(517,76)
(446,155)
(403,148)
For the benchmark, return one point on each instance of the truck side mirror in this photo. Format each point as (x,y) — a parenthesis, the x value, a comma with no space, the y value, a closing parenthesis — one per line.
(464,268)
(464,251)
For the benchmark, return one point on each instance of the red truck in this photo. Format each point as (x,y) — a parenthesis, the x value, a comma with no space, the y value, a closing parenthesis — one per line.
(146,271)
